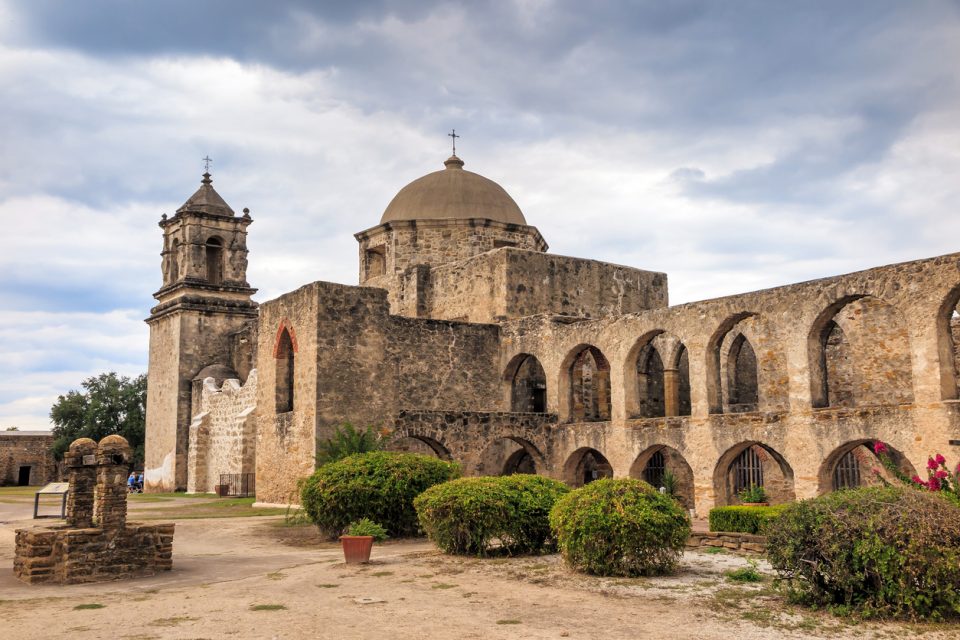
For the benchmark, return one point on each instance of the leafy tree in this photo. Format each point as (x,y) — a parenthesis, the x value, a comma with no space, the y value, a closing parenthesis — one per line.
(108,404)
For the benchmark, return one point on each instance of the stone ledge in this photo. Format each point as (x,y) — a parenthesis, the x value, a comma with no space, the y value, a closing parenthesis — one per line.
(730,540)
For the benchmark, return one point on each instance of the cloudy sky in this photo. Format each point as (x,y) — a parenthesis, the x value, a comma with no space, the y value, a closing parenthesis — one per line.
(734,145)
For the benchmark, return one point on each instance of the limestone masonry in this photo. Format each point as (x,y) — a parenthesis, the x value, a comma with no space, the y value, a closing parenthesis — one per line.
(466,340)
(97,543)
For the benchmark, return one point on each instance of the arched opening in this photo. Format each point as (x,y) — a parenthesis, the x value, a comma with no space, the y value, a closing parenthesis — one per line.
(285,355)
(742,392)
(732,366)
(173,262)
(586,465)
(506,456)
(854,464)
(859,355)
(753,464)
(650,385)
(214,260)
(948,343)
(528,384)
(663,466)
(589,377)
(683,383)
(419,444)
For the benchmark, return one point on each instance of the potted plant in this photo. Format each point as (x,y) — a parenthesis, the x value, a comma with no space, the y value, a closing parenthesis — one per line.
(358,541)
(754,496)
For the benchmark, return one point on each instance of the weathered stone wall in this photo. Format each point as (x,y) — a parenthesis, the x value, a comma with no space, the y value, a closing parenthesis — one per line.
(357,363)
(782,328)
(26,449)
(73,556)
(398,256)
(223,433)
(511,283)
(182,343)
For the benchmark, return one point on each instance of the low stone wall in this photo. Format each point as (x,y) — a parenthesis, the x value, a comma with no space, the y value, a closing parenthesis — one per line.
(743,542)
(71,556)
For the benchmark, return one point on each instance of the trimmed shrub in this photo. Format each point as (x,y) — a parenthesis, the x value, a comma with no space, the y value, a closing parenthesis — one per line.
(744,519)
(465,516)
(620,527)
(875,551)
(380,485)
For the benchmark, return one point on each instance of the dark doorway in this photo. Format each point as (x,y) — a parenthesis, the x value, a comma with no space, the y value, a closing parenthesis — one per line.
(24,478)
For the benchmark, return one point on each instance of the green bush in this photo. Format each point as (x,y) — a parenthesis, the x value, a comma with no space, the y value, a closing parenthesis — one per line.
(744,519)
(876,552)
(380,485)
(620,527)
(465,516)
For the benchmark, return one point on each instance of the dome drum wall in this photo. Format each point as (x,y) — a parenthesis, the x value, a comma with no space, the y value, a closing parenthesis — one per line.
(390,249)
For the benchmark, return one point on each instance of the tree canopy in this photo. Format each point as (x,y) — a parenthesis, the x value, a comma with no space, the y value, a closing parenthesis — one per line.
(108,404)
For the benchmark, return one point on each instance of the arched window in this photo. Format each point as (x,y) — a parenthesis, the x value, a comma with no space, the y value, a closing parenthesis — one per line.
(285,370)
(528,389)
(173,262)
(650,383)
(656,466)
(214,260)
(859,355)
(589,386)
(747,470)
(742,376)
(683,382)
(847,473)
(838,383)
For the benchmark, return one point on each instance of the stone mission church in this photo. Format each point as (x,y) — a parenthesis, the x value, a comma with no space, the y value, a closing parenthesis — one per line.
(467,340)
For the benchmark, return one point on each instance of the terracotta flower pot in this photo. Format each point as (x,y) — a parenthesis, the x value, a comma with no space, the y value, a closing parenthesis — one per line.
(756,504)
(356,549)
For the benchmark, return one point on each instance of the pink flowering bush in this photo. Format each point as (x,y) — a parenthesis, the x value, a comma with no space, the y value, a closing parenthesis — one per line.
(939,476)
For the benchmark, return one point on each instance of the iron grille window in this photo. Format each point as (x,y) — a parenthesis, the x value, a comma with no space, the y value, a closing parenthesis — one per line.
(747,471)
(656,466)
(847,473)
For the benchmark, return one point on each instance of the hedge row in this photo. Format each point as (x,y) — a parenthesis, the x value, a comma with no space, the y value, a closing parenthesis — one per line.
(475,516)
(744,519)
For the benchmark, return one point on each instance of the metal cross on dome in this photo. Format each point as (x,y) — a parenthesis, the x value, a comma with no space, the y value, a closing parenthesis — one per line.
(453,134)
(206,163)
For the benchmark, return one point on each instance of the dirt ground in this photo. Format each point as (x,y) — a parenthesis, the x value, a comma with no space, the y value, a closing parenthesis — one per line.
(254,577)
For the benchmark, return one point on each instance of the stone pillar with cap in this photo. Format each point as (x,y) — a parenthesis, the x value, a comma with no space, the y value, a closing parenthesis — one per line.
(81,463)
(113,464)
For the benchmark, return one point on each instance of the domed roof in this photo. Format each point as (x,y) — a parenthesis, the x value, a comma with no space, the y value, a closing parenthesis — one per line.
(218,372)
(453,193)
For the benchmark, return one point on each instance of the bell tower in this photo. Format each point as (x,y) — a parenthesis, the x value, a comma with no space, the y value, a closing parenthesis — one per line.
(204,299)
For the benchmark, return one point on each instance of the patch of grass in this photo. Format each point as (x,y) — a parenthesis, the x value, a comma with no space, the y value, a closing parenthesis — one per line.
(380,574)
(750,573)
(508,621)
(328,586)
(715,550)
(276,575)
(267,607)
(171,622)
(443,585)
(18,491)
(89,605)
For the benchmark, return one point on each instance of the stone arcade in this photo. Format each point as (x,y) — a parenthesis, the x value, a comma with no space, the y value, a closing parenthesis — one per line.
(468,340)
